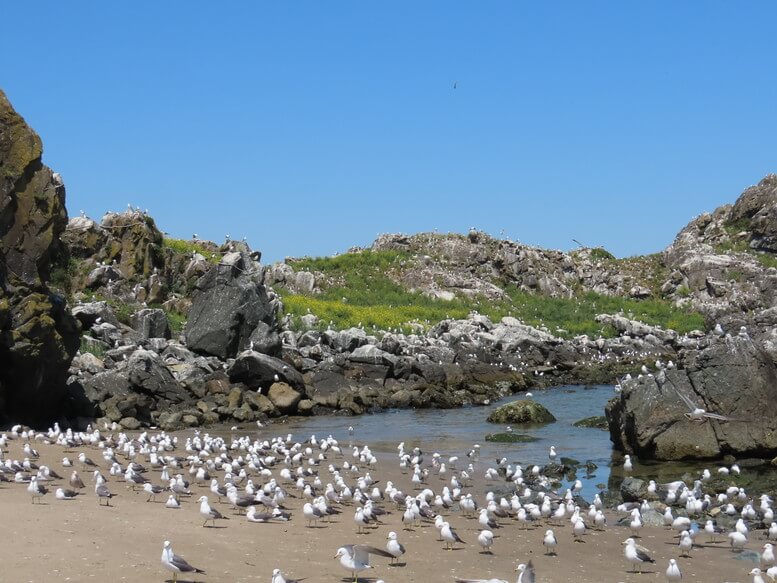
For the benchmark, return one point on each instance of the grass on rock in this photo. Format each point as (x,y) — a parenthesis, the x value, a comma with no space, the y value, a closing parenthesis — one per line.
(358,289)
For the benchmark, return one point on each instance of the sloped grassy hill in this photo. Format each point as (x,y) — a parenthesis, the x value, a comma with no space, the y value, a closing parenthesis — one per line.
(366,288)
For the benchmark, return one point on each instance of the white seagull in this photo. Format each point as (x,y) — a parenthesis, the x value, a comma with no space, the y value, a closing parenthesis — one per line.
(176,564)
(356,558)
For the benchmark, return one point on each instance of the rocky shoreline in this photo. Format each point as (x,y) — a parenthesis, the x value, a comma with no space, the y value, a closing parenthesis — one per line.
(121,353)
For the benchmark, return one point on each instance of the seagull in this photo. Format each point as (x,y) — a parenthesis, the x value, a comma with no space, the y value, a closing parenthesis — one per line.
(356,558)
(176,564)
(76,481)
(394,547)
(526,571)
(277,577)
(552,453)
(65,494)
(673,571)
(449,536)
(756,573)
(102,491)
(686,544)
(172,502)
(550,541)
(636,554)
(36,490)
(208,513)
(485,540)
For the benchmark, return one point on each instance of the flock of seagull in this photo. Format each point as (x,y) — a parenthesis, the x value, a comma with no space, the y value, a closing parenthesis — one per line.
(261,478)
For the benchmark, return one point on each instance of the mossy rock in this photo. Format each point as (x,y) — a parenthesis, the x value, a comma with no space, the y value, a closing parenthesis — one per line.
(523,411)
(595,422)
(510,438)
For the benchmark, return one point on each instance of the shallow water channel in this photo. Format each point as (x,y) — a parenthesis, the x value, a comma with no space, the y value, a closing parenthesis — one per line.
(455,431)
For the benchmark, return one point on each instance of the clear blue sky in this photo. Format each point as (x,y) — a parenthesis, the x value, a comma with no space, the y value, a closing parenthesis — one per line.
(312,126)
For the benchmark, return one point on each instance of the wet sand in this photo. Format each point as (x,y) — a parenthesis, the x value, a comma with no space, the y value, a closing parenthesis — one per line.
(81,541)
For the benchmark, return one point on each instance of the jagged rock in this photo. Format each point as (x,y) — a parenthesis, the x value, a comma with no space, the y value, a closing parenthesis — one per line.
(151,323)
(258,370)
(102,276)
(38,337)
(633,489)
(521,411)
(371,354)
(84,237)
(135,243)
(309,321)
(91,313)
(227,306)
(146,371)
(88,362)
(730,376)
(756,210)
(284,397)
(265,339)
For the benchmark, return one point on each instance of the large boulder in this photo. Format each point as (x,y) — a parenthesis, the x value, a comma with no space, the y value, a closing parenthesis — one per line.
(228,305)
(151,323)
(729,376)
(521,411)
(38,336)
(259,370)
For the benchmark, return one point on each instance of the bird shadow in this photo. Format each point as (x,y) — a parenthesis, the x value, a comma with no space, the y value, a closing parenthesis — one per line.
(397,564)
(643,572)
(183,581)
(213,526)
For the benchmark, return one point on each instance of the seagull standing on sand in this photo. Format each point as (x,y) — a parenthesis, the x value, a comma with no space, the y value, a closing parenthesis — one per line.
(176,564)
(394,547)
(449,536)
(673,571)
(208,513)
(756,573)
(636,554)
(485,540)
(356,558)
(550,542)
(36,490)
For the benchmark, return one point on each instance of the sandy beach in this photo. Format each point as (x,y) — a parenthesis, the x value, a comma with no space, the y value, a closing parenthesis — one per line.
(79,540)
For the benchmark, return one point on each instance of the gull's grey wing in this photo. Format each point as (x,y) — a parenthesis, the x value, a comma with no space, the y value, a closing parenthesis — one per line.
(181,564)
(690,404)
(528,576)
(362,552)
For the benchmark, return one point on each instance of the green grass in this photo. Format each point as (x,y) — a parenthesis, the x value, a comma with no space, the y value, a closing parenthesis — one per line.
(767,260)
(362,293)
(92,347)
(176,320)
(185,247)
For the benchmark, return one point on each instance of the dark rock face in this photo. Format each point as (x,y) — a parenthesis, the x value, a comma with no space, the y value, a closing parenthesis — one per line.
(731,377)
(230,302)
(151,323)
(38,336)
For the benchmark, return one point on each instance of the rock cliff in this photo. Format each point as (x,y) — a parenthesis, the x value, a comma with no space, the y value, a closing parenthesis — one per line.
(38,336)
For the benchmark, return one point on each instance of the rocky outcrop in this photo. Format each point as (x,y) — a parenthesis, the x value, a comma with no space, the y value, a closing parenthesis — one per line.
(728,376)
(38,336)
(229,305)
(523,411)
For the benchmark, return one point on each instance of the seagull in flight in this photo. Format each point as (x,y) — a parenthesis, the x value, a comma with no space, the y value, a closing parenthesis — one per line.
(696,413)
